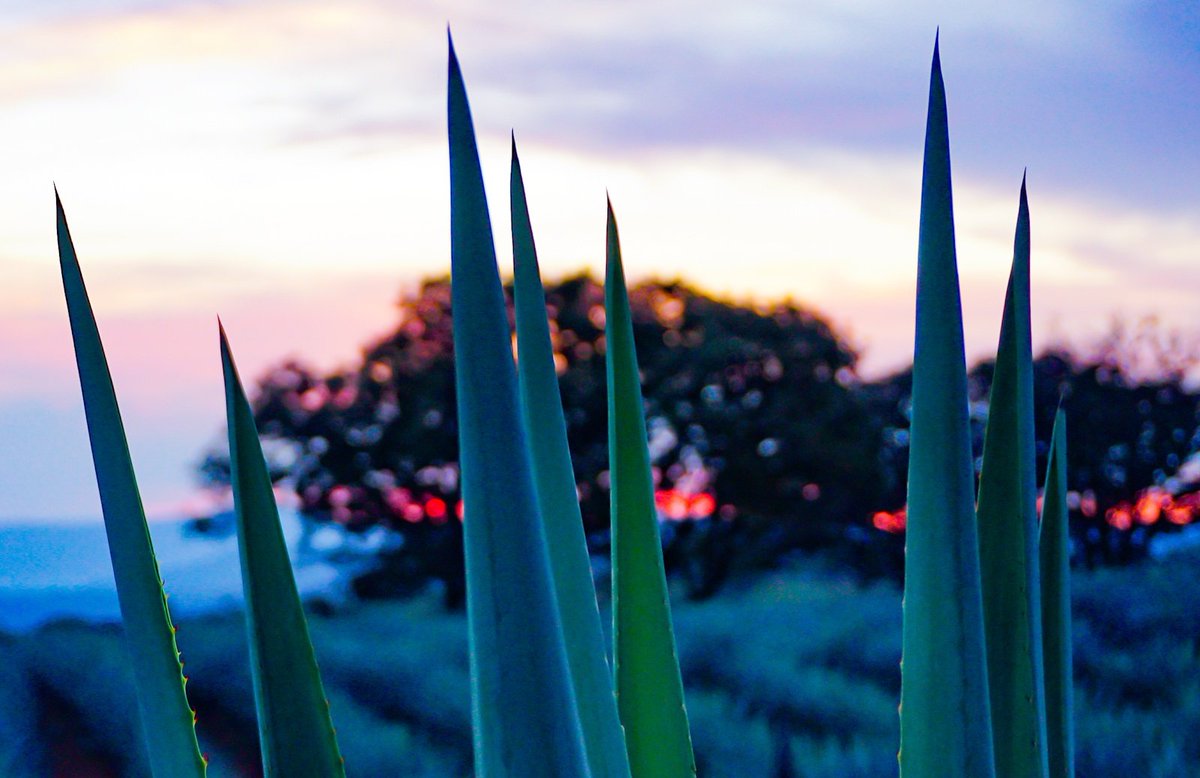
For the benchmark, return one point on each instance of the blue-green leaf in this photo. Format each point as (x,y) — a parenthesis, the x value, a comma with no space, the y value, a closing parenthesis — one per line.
(167,719)
(945,728)
(294,727)
(555,481)
(1055,557)
(523,705)
(1008,543)
(649,689)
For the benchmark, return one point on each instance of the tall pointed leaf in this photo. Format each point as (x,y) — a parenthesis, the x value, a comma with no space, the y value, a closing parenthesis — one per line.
(649,689)
(944,714)
(1008,544)
(523,705)
(294,727)
(555,481)
(167,719)
(1055,558)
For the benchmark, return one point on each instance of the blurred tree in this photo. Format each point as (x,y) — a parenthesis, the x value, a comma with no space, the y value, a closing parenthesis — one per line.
(762,437)
(1133,437)
(751,410)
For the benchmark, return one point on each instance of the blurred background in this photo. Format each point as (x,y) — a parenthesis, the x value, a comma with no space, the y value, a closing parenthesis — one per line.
(283,164)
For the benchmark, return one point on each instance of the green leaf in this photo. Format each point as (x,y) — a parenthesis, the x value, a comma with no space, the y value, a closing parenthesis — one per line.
(294,727)
(523,706)
(559,505)
(649,689)
(1055,558)
(1008,543)
(945,727)
(168,722)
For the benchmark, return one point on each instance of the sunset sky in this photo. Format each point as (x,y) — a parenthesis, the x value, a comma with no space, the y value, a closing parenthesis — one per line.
(283,163)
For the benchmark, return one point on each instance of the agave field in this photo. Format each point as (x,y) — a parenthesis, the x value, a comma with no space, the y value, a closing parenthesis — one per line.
(799,674)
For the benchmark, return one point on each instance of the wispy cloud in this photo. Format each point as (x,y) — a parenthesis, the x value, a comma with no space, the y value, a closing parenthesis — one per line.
(1095,95)
(283,163)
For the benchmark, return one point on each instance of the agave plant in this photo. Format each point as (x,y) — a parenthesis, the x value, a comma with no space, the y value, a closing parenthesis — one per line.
(976,698)
(986,680)
(1054,557)
(294,726)
(168,721)
(649,689)
(295,730)
(523,702)
(1008,542)
(546,427)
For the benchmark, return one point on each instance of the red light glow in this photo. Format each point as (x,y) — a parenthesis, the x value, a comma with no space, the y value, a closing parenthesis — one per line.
(435,509)
(893,521)
(1152,506)
(676,505)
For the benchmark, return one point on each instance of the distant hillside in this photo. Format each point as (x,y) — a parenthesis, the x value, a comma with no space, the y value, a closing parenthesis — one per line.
(794,673)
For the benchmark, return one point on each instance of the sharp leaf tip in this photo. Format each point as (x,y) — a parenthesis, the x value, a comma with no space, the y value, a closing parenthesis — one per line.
(453,57)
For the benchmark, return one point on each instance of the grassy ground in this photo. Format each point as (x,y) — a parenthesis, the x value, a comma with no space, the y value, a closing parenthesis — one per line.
(793,674)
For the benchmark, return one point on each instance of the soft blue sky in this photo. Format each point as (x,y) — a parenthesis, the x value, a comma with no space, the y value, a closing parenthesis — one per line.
(282,163)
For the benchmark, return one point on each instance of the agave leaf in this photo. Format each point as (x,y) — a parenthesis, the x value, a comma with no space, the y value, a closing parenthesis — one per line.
(1055,557)
(294,727)
(945,727)
(1008,544)
(168,722)
(523,705)
(649,688)
(559,505)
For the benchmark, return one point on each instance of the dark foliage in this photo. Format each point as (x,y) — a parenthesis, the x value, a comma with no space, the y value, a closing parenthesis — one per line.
(762,436)
(1133,425)
(753,422)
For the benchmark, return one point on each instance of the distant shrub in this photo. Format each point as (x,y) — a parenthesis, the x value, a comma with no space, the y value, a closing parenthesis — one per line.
(1125,741)
(831,758)
(729,743)
(788,671)
(86,670)
(21,751)
(792,671)
(415,670)
(372,746)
